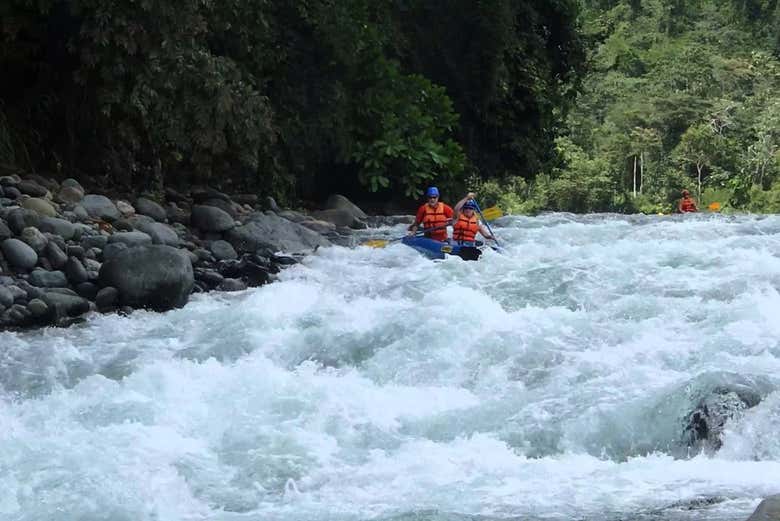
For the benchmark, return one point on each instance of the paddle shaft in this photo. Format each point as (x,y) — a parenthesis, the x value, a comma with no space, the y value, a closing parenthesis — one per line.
(486,222)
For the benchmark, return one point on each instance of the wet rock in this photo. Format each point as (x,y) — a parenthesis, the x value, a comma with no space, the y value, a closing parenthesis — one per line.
(717,398)
(38,307)
(76,251)
(65,305)
(131,239)
(151,209)
(176,214)
(125,208)
(111,250)
(16,315)
(295,217)
(263,229)
(21,218)
(767,510)
(160,233)
(6,297)
(319,226)
(88,290)
(56,256)
(100,207)
(157,277)
(209,278)
(337,217)
(94,241)
(69,195)
(34,239)
(222,250)
(31,188)
(211,219)
(39,206)
(19,254)
(61,227)
(250,199)
(232,285)
(271,202)
(11,192)
(107,298)
(339,202)
(75,271)
(200,194)
(229,207)
(5,231)
(48,279)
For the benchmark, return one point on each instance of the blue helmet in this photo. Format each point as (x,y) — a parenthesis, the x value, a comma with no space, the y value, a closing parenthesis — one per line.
(432,192)
(470,204)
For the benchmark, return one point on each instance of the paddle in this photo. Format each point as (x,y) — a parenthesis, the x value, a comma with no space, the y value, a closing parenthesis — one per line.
(486,221)
(492,213)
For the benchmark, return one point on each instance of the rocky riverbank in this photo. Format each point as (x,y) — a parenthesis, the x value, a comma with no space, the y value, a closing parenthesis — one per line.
(65,252)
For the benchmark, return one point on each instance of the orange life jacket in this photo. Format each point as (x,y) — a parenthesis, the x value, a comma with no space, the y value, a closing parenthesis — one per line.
(466,228)
(434,218)
(687,205)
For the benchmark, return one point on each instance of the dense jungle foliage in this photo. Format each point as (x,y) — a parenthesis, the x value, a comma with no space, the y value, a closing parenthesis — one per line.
(578,105)
(294,99)
(678,94)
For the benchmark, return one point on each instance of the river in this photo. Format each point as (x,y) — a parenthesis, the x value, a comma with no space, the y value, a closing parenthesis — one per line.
(545,383)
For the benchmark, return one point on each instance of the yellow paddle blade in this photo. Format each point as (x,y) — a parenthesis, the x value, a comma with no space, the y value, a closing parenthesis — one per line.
(714,207)
(492,213)
(376,243)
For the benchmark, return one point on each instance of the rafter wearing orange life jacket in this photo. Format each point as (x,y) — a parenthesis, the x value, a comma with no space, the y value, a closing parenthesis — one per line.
(465,229)
(435,217)
(687,205)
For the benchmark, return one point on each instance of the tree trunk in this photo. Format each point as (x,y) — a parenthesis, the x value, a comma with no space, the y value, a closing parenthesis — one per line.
(641,171)
(634,176)
(698,170)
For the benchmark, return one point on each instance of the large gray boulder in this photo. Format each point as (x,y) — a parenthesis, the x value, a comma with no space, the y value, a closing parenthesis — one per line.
(39,206)
(337,217)
(100,207)
(65,229)
(18,219)
(271,231)
(767,510)
(19,254)
(131,239)
(339,202)
(151,209)
(157,277)
(65,305)
(211,219)
(160,233)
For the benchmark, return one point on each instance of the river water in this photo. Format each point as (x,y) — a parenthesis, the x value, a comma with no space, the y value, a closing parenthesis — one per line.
(548,383)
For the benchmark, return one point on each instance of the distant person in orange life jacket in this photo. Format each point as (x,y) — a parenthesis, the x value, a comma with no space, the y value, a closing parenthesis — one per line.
(687,204)
(433,215)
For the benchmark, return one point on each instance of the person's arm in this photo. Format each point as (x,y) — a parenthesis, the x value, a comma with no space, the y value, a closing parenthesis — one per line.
(485,232)
(459,205)
(693,202)
(417,220)
(679,206)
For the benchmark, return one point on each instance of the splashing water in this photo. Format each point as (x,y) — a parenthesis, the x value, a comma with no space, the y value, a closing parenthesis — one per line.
(550,382)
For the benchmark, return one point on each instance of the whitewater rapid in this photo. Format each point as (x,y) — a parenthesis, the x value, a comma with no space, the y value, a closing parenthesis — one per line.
(549,382)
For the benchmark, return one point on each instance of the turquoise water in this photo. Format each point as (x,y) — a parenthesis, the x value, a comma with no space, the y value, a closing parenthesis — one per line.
(549,383)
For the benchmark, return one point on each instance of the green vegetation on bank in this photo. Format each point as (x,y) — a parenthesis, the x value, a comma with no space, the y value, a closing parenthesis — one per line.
(294,99)
(677,94)
(570,105)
